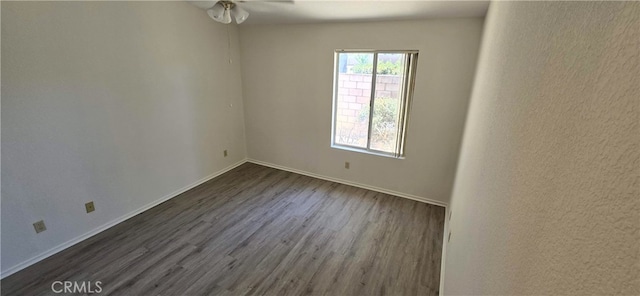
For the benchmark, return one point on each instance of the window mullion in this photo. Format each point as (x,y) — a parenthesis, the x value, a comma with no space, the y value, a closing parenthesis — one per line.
(372,99)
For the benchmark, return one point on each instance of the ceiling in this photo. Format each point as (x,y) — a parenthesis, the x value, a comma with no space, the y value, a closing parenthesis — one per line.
(307,11)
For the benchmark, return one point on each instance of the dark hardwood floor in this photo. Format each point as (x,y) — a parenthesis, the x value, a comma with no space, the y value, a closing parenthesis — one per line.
(258,230)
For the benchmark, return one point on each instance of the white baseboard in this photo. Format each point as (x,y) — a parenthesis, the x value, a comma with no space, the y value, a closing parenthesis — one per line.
(445,242)
(346,182)
(67,244)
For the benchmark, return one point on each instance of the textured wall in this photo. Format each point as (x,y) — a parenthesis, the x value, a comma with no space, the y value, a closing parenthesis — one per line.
(546,198)
(120,103)
(287,76)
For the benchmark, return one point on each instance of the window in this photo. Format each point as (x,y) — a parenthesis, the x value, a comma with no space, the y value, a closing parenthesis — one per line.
(372,92)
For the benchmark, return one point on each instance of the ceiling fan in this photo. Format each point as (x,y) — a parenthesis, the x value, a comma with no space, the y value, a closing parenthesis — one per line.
(224,9)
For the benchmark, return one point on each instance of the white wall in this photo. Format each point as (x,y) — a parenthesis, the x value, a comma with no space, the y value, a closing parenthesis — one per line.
(287,76)
(546,199)
(120,103)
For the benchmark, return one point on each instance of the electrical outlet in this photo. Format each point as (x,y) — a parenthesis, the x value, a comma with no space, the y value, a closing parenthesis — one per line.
(39,226)
(89,207)
(225,153)
(346,165)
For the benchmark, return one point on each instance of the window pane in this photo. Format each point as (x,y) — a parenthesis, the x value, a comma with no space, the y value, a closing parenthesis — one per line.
(388,101)
(354,95)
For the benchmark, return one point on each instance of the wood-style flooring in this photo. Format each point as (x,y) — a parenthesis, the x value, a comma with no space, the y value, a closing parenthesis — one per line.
(258,231)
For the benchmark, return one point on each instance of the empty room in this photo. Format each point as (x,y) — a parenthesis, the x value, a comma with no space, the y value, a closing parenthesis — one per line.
(302,147)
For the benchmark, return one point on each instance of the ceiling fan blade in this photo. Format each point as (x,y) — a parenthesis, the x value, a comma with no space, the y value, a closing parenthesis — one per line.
(203,4)
(268,1)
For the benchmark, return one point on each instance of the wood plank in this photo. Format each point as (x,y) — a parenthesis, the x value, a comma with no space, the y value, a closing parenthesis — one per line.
(258,231)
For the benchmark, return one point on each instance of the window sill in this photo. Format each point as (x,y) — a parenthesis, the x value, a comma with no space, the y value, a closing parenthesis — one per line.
(360,150)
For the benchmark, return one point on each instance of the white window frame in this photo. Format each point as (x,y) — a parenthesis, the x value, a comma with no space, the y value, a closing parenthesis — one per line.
(406,97)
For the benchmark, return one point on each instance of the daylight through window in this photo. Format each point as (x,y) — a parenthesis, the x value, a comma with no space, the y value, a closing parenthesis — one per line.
(372,90)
